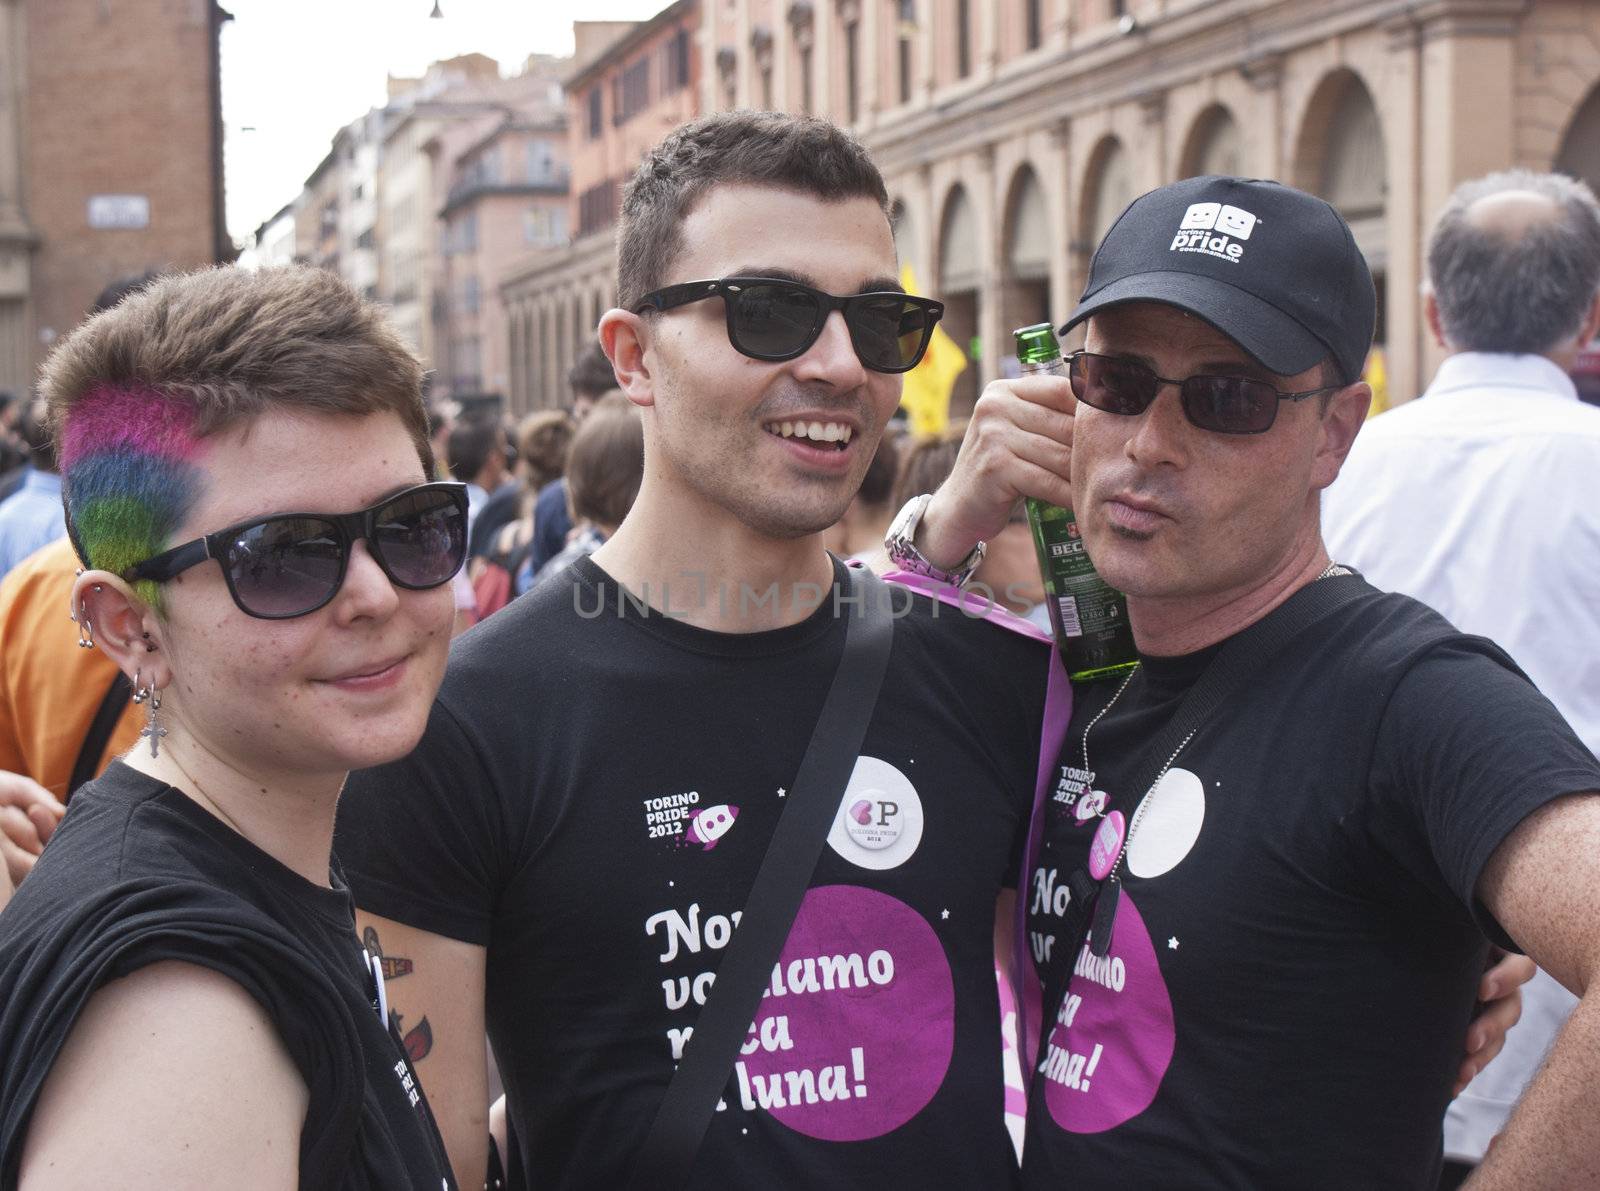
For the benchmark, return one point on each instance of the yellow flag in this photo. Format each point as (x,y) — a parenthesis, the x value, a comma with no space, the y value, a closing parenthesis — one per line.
(1377,376)
(925,395)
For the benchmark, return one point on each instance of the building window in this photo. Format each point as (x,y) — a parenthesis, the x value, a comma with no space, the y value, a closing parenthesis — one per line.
(904,50)
(675,75)
(544,227)
(596,115)
(471,295)
(488,166)
(467,365)
(541,164)
(460,235)
(852,68)
(963,38)
(805,79)
(597,207)
(1033,23)
(368,238)
(635,90)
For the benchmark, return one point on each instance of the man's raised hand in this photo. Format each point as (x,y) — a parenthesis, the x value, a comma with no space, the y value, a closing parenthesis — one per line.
(1018,443)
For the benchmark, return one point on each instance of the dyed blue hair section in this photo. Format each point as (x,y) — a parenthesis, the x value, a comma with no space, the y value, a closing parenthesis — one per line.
(129,477)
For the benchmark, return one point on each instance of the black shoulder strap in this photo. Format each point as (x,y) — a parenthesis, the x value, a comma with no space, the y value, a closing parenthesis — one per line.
(100,729)
(1246,654)
(669,1149)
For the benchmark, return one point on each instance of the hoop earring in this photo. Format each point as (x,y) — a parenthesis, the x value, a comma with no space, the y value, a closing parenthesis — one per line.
(85,629)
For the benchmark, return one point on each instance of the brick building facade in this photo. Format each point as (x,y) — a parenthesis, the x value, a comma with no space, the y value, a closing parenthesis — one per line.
(1012,133)
(621,100)
(110,157)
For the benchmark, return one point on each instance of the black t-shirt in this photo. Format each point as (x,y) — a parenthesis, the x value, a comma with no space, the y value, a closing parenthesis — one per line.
(591,800)
(1297,943)
(138,874)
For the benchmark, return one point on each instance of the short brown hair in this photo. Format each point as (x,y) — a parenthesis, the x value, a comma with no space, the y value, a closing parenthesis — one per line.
(591,373)
(775,149)
(235,343)
(928,461)
(606,464)
(543,440)
(133,388)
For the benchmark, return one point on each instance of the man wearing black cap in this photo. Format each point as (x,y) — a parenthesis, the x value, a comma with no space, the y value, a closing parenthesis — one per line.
(1287,881)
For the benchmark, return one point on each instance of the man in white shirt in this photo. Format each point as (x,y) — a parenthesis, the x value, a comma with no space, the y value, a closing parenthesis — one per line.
(1482,499)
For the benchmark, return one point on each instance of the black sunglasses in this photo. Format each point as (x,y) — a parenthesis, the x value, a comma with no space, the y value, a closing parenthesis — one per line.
(1224,404)
(771,319)
(291,564)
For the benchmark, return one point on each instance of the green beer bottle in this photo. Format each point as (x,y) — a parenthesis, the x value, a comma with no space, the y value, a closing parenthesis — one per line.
(1090,618)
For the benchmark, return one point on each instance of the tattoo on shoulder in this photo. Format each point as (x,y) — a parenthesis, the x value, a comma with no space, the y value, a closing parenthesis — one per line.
(419,1041)
(394,966)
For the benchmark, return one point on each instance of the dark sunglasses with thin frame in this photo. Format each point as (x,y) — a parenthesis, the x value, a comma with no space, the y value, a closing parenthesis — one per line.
(1222,404)
(291,564)
(773,319)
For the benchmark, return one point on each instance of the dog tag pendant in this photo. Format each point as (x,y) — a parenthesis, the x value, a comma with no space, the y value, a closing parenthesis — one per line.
(1105,916)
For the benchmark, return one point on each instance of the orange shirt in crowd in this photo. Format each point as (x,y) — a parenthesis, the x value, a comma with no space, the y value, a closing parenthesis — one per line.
(49,688)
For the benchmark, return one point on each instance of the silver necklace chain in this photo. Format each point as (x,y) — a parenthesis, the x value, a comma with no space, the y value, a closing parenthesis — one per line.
(1144,802)
(1332,569)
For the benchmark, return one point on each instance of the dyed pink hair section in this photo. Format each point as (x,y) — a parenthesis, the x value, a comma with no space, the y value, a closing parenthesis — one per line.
(141,421)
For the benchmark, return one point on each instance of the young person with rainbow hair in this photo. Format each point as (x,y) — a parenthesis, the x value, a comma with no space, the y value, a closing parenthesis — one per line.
(183,997)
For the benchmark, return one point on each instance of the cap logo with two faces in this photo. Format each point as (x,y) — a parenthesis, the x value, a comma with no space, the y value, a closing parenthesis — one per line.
(1216,229)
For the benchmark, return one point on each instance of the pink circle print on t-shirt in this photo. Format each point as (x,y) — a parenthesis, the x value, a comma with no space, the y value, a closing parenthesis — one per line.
(1113,1037)
(857,1026)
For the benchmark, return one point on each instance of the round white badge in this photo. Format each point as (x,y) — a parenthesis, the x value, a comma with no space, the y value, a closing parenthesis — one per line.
(1169,826)
(879,822)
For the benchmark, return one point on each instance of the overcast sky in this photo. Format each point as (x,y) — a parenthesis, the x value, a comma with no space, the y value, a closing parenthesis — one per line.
(295,71)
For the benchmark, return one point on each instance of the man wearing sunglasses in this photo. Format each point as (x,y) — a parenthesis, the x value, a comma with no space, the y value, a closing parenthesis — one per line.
(565,857)
(1285,909)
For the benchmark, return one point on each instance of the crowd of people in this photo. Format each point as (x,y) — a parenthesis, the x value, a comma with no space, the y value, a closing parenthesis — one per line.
(403,754)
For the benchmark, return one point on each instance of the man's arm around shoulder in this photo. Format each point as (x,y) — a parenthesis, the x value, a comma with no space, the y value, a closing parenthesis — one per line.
(174,1078)
(1543,885)
(436,985)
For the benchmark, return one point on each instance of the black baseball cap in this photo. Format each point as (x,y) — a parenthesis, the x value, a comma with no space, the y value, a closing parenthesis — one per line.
(1271,267)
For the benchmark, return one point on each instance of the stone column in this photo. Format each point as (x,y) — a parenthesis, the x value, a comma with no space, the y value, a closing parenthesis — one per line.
(1150,165)
(1468,69)
(870,41)
(1064,287)
(17,238)
(1401,107)
(988,39)
(744,90)
(987,204)
(824,56)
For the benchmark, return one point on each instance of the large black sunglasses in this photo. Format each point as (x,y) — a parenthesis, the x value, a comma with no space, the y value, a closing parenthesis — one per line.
(772,319)
(1224,404)
(291,564)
